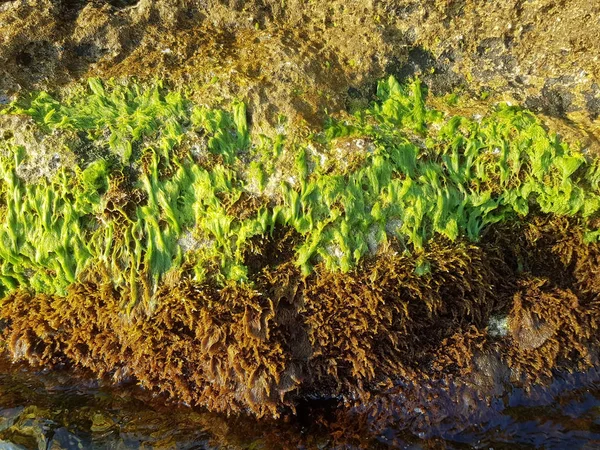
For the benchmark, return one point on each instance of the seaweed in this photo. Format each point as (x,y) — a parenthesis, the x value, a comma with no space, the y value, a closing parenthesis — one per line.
(416,176)
(242,272)
(550,331)
(226,349)
(261,348)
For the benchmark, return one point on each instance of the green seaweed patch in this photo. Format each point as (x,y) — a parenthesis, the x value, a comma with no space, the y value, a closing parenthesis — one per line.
(185,188)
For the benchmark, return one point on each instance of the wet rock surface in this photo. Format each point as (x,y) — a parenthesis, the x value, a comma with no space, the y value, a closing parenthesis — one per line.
(297,59)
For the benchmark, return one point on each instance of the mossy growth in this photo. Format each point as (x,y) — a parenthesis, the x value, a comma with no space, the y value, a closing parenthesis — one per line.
(178,188)
(241,271)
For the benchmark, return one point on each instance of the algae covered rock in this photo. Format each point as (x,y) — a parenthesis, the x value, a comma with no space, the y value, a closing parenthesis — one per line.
(299,58)
(244,271)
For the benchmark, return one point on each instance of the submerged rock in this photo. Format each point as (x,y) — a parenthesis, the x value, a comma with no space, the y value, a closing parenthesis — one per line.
(5,445)
(62,439)
(9,416)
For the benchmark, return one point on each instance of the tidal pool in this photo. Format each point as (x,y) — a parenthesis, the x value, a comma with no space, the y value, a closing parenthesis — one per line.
(60,410)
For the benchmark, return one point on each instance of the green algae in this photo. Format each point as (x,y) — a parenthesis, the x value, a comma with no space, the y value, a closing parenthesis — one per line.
(396,172)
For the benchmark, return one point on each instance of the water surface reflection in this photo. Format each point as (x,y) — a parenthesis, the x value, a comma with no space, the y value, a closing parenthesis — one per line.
(61,411)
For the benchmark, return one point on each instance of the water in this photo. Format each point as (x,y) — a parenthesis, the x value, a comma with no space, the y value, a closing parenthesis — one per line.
(60,410)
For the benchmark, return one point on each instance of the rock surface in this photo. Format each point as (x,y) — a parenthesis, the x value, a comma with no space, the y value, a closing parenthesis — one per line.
(296,58)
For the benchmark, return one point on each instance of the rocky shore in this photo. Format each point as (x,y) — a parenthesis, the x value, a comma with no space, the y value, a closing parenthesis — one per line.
(184,240)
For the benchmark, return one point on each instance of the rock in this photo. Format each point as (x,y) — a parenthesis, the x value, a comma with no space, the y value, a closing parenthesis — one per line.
(5,445)
(529,332)
(298,59)
(65,440)
(44,155)
(9,416)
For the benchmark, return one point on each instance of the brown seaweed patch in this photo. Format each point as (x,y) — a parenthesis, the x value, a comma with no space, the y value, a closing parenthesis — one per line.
(263,252)
(221,348)
(393,323)
(242,348)
(382,319)
(550,329)
(567,240)
(551,247)
(50,331)
(553,310)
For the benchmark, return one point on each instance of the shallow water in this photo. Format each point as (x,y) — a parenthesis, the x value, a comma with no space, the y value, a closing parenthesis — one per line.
(61,411)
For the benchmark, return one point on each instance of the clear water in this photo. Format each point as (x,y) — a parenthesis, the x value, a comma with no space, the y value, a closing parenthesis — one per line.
(59,410)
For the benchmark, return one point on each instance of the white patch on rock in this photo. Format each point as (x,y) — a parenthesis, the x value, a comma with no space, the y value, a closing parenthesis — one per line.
(46,157)
(345,149)
(372,239)
(317,155)
(44,154)
(498,326)
(188,242)
(393,225)
(335,251)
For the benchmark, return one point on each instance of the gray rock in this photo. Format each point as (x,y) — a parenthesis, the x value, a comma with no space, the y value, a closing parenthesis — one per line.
(65,440)
(8,417)
(5,445)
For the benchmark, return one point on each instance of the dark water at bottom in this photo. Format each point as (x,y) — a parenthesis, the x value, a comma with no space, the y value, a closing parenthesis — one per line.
(59,411)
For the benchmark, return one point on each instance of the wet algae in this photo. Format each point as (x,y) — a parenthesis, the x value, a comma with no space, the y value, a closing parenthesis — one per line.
(243,272)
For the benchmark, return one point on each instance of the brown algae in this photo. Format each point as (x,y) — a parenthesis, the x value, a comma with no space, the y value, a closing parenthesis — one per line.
(244,272)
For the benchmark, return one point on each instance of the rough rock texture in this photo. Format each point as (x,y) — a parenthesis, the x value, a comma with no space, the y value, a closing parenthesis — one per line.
(299,58)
